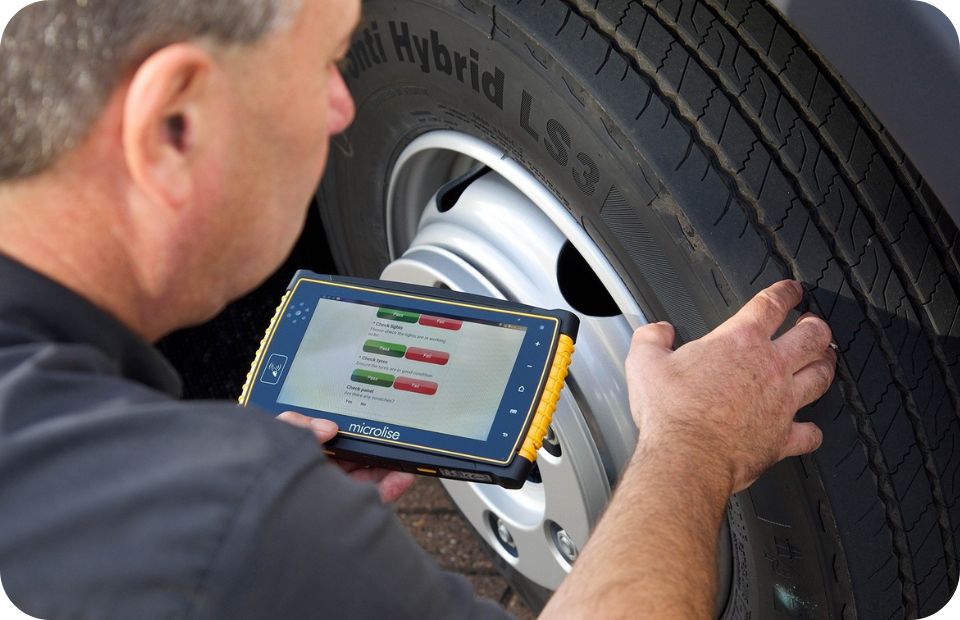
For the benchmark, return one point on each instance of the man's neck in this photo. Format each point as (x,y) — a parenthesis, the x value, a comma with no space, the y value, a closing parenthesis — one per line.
(66,232)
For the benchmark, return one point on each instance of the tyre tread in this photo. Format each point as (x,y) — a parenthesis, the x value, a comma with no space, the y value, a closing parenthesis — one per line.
(838,188)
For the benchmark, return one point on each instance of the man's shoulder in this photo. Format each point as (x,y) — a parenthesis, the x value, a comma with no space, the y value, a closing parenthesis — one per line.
(111,481)
(65,389)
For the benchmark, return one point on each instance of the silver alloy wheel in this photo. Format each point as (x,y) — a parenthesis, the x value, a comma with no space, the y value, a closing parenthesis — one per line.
(503,238)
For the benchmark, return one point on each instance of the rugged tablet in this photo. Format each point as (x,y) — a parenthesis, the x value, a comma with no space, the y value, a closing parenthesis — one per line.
(418,379)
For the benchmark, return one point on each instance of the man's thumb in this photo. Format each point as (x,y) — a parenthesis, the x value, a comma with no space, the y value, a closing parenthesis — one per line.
(325,430)
(804,438)
(657,334)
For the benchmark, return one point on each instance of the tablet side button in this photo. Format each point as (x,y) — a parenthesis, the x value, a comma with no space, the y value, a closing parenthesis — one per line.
(548,402)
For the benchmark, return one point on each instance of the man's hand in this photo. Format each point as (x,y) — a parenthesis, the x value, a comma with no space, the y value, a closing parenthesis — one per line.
(391,484)
(728,400)
(713,415)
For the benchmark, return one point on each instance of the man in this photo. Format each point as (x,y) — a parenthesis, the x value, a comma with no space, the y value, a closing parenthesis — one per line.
(156,160)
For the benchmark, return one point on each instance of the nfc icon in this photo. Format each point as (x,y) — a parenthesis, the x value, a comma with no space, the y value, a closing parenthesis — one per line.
(273,369)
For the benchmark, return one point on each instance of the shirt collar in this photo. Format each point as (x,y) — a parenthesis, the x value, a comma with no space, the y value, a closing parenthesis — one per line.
(50,311)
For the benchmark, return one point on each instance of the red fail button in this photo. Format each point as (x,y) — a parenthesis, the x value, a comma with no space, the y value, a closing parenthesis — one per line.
(441,322)
(426,355)
(416,386)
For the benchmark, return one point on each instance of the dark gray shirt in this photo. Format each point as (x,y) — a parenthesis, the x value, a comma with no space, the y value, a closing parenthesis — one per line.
(117,500)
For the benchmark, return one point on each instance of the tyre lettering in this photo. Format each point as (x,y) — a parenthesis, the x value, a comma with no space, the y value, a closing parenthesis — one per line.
(587,178)
(475,69)
(441,55)
(430,54)
(493,87)
(422,46)
(402,41)
(526,103)
(366,52)
(461,62)
(558,145)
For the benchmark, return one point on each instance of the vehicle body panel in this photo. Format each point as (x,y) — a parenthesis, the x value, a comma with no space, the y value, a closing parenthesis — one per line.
(902,57)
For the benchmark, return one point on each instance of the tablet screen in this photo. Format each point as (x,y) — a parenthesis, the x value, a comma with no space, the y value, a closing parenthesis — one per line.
(402,367)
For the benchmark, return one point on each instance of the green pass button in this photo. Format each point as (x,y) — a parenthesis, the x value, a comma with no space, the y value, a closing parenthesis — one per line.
(379,347)
(398,315)
(369,377)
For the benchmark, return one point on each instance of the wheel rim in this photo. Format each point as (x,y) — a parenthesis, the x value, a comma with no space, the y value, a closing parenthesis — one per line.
(503,238)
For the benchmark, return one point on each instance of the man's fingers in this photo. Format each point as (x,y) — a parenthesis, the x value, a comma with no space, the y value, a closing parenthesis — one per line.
(805,343)
(390,484)
(295,419)
(325,430)
(657,334)
(804,438)
(369,474)
(349,466)
(813,380)
(394,485)
(770,307)
(650,342)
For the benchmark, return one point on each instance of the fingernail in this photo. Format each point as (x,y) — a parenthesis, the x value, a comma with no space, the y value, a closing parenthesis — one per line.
(323,426)
(798,286)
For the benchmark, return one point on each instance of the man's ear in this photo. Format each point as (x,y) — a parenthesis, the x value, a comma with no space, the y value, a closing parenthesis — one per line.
(166,122)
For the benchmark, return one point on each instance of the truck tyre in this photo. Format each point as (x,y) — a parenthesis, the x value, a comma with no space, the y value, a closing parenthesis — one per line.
(702,151)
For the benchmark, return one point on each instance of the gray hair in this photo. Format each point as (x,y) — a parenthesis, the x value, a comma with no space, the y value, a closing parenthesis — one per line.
(61,59)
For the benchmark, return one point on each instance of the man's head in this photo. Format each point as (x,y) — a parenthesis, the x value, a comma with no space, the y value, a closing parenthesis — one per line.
(62,60)
(192,132)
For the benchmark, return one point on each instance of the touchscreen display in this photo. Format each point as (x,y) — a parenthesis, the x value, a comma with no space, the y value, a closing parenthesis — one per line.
(402,367)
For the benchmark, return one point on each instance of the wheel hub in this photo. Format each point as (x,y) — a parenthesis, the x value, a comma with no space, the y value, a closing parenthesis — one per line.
(502,234)
(497,241)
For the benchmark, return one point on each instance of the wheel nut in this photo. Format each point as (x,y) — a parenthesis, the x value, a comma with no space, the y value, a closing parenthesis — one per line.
(565,544)
(551,436)
(551,443)
(503,533)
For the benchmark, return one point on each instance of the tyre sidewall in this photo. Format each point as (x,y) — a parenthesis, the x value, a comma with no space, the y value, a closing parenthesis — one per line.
(516,95)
